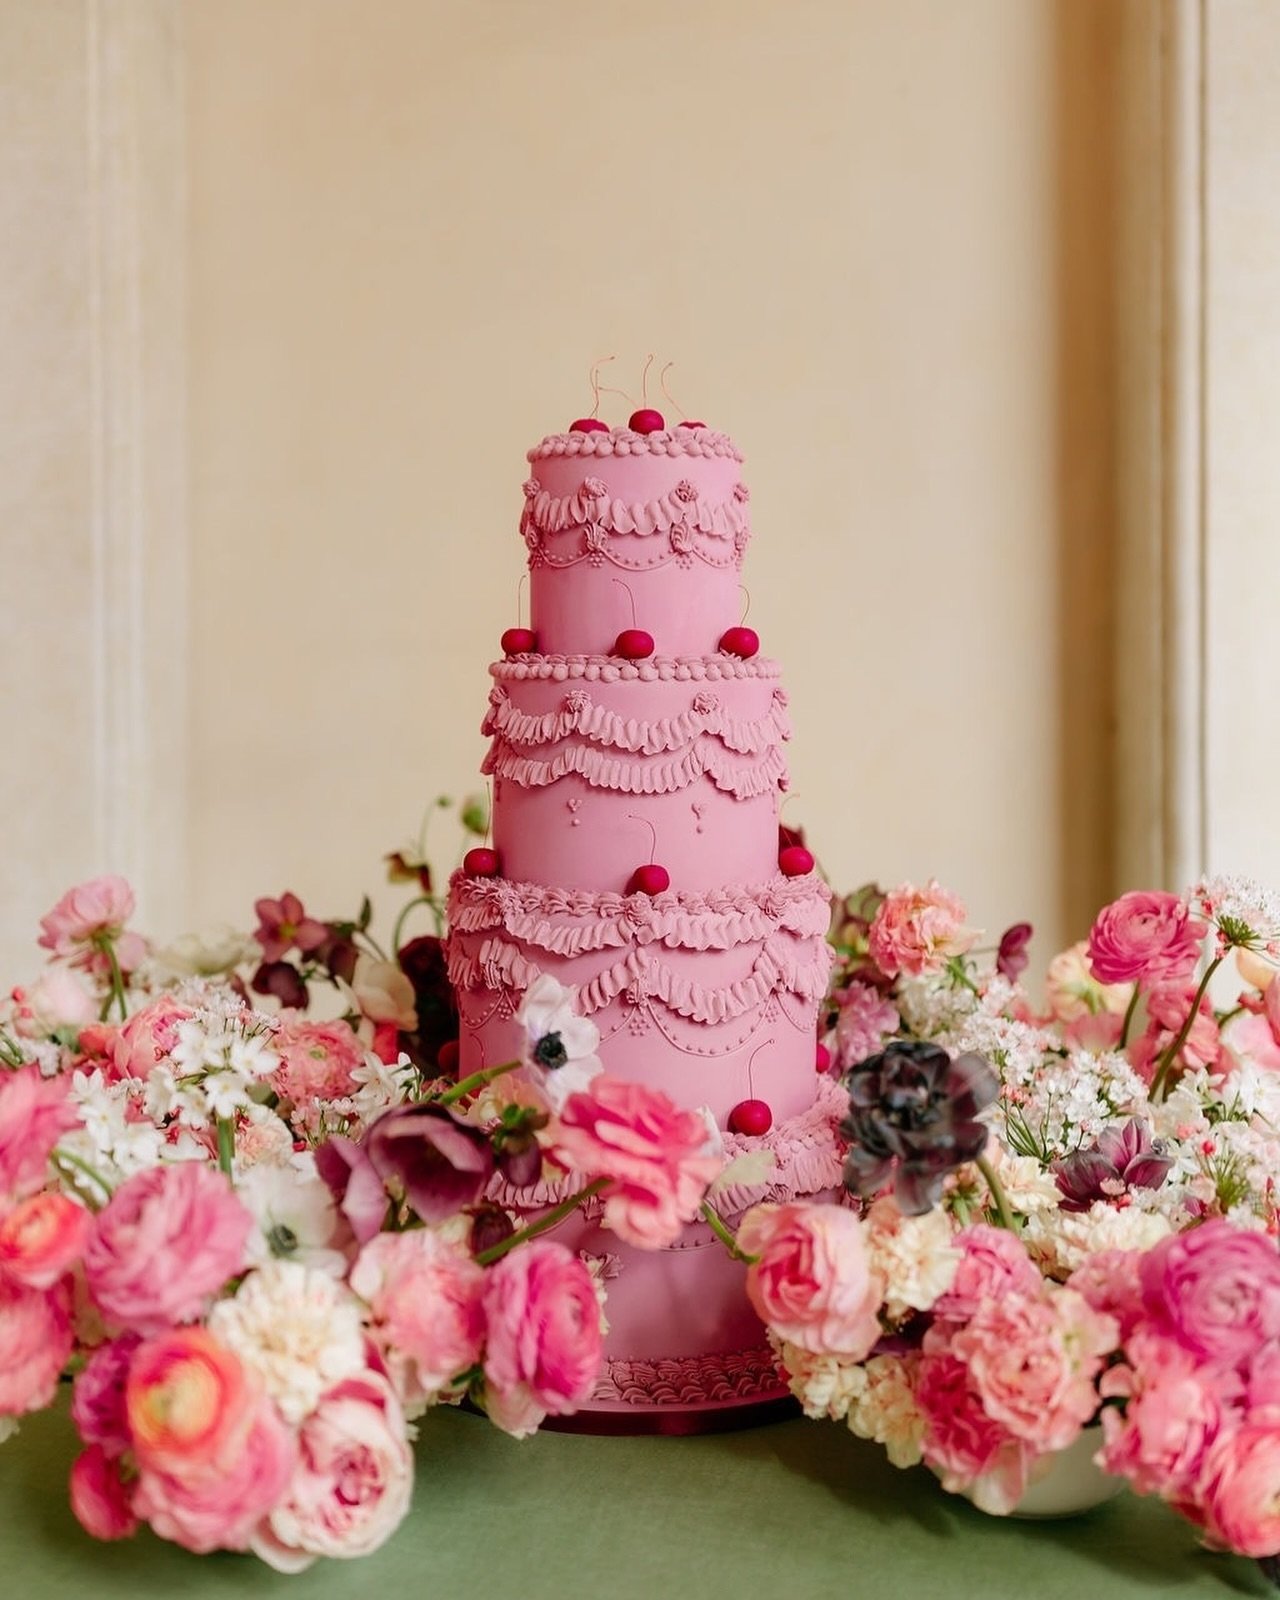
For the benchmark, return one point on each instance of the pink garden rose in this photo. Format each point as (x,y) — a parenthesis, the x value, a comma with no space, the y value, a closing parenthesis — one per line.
(36,1339)
(995,1263)
(812,1284)
(653,1153)
(317,1060)
(425,1293)
(970,1451)
(98,1397)
(545,1345)
(1173,1411)
(1242,1472)
(919,930)
(34,1114)
(57,999)
(165,1243)
(96,909)
(1215,1290)
(42,1238)
(100,1499)
(1145,936)
(147,1037)
(352,1484)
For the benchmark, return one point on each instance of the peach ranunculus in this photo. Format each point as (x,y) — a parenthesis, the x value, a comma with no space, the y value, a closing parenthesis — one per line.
(1074,994)
(1146,936)
(384,993)
(100,1499)
(164,1244)
(919,930)
(188,1400)
(36,1339)
(42,1238)
(34,1114)
(812,1283)
(318,1060)
(98,908)
(353,1482)
(544,1340)
(962,1443)
(653,1154)
(1242,1472)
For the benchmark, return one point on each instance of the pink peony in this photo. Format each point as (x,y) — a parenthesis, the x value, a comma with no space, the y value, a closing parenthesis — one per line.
(147,1038)
(36,1340)
(34,1114)
(865,1019)
(57,999)
(1215,1290)
(1262,1392)
(425,1293)
(1144,936)
(318,1061)
(995,1263)
(1242,1506)
(1033,1360)
(352,1484)
(100,1499)
(166,1242)
(545,1345)
(98,1397)
(918,930)
(42,1238)
(654,1155)
(812,1284)
(97,909)
(1173,1412)
(967,1448)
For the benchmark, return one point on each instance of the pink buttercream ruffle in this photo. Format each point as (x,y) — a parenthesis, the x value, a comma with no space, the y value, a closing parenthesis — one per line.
(598,725)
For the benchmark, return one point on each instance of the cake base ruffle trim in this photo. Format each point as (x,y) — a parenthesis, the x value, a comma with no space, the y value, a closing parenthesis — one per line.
(714,1379)
(582,717)
(742,777)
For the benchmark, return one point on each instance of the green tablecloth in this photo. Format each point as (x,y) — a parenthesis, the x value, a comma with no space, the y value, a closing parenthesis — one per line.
(800,1511)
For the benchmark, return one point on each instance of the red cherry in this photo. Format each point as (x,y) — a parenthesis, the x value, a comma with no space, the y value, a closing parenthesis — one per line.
(647,420)
(744,642)
(588,425)
(752,1117)
(447,1059)
(480,862)
(633,644)
(822,1060)
(795,861)
(519,641)
(651,879)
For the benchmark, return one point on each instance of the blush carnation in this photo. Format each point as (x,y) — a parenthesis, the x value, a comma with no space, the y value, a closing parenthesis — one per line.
(1243,1502)
(1215,1290)
(812,1283)
(36,1339)
(1144,936)
(918,930)
(100,1498)
(42,1238)
(167,1241)
(96,909)
(1110,1281)
(995,1263)
(34,1114)
(1173,1411)
(967,1448)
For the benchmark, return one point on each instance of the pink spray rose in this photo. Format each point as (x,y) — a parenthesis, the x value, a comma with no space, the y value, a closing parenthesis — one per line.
(812,1284)
(995,1263)
(1243,1477)
(425,1294)
(167,1241)
(1144,936)
(34,1114)
(36,1338)
(967,1448)
(98,1397)
(100,1499)
(1215,1290)
(42,1238)
(918,930)
(98,908)
(1173,1412)
(545,1345)
(352,1484)
(317,1060)
(653,1153)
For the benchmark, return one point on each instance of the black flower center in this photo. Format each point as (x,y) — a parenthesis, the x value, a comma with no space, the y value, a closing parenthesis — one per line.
(550,1051)
(283,1240)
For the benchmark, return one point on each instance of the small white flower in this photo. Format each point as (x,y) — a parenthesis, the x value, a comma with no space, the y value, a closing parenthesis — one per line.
(560,1055)
(205,955)
(824,1385)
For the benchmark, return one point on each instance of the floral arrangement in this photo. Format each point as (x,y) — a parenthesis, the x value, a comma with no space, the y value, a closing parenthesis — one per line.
(260,1244)
(1056,1215)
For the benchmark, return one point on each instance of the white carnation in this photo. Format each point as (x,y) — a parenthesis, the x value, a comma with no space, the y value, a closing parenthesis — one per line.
(1060,1241)
(825,1386)
(885,1409)
(916,1256)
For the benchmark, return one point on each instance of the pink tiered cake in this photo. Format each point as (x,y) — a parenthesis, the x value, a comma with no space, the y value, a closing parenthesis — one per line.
(602,765)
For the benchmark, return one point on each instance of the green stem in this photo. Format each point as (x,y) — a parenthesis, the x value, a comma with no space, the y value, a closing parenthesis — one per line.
(418,900)
(720,1228)
(1159,1082)
(552,1219)
(477,1080)
(955,970)
(66,1159)
(1128,1016)
(226,1144)
(373,944)
(997,1194)
(116,992)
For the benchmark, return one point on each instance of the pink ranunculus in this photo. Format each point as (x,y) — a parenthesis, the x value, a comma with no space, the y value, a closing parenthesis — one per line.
(34,1114)
(1034,1359)
(98,1396)
(919,930)
(864,1020)
(219,1504)
(147,1037)
(653,1154)
(995,1263)
(1262,1385)
(57,999)
(165,1243)
(1242,1474)
(189,1401)
(100,1498)
(1145,936)
(966,1447)
(98,908)
(36,1339)
(1173,1411)
(353,1482)
(545,1345)
(1110,1282)
(42,1238)
(1215,1290)
(318,1060)
(812,1284)
(425,1293)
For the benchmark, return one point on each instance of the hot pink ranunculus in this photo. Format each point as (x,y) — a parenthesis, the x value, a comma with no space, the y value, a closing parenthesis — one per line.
(34,1114)
(995,1263)
(544,1345)
(1242,1505)
(101,1500)
(97,908)
(425,1293)
(42,1238)
(147,1037)
(653,1153)
(919,930)
(353,1482)
(966,1447)
(36,1339)
(1173,1411)
(98,1397)
(1145,936)
(812,1284)
(1215,1290)
(317,1060)
(168,1240)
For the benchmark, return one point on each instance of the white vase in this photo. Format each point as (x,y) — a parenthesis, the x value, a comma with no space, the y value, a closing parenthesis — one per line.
(1068,1481)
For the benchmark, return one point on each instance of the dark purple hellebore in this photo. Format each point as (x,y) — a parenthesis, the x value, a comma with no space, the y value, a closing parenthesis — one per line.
(283,981)
(1012,957)
(1122,1158)
(357,1189)
(442,1164)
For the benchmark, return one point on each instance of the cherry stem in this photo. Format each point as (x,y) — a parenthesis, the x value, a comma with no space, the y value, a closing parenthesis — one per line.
(670,398)
(653,835)
(751,1061)
(630,597)
(552,1219)
(746,610)
(477,1080)
(595,382)
(722,1232)
(644,380)
(524,578)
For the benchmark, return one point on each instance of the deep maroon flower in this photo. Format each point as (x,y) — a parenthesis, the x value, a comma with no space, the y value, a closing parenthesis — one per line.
(422,962)
(490,1226)
(442,1164)
(515,1142)
(1012,957)
(284,925)
(339,954)
(913,1118)
(282,980)
(358,1191)
(1122,1158)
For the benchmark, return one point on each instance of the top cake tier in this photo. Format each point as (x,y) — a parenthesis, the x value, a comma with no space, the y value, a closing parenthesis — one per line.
(634,530)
